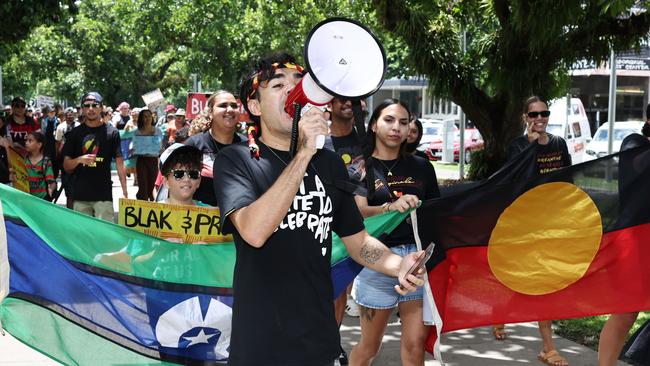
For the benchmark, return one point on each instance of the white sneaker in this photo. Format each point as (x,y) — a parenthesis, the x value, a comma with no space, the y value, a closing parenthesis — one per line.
(351,308)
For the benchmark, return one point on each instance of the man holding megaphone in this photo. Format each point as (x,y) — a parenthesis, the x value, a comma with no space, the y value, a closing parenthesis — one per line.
(281,212)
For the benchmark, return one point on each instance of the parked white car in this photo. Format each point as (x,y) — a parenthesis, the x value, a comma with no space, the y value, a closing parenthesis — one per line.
(431,131)
(598,146)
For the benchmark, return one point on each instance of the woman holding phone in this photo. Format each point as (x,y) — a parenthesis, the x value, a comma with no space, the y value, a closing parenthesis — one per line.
(396,181)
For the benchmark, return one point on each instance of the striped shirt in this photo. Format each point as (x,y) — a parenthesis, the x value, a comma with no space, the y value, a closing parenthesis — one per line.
(39,176)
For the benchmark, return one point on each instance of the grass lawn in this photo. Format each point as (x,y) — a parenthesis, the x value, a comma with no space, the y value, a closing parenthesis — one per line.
(586,331)
(452,167)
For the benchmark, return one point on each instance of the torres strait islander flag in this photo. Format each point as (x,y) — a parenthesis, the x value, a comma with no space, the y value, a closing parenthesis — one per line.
(519,247)
(85,291)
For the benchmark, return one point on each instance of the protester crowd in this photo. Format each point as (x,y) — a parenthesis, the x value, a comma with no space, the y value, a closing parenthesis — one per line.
(190,162)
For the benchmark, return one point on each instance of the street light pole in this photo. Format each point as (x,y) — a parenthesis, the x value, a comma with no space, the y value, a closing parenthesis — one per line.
(611,112)
(463,120)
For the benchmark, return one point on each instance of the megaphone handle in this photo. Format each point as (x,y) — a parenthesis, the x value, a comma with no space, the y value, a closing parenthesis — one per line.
(294,130)
(358,120)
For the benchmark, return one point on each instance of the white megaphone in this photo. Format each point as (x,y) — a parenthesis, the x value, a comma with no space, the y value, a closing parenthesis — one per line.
(345,60)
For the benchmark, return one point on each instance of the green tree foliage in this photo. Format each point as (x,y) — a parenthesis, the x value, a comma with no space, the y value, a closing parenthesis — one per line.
(125,48)
(19,18)
(515,48)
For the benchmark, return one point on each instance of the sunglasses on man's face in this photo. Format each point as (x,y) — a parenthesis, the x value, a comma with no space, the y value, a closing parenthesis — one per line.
(19,105)
(225,105)
(91,105)
(180,173)
(542,113)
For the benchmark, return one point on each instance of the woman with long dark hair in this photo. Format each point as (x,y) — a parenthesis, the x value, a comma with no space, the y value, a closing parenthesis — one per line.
(146,165)
(414,137)
(396,180)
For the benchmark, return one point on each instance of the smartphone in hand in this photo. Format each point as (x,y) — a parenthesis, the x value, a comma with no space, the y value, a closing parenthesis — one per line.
(420,262)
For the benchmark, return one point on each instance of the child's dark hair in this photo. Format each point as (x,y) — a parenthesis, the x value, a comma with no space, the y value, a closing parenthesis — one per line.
(187,158)
(39,137)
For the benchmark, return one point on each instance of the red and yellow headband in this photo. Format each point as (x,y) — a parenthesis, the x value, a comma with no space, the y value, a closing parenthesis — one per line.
(256,83)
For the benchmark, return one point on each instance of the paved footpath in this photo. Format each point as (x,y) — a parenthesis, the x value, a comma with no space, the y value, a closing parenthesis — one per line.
(472,347)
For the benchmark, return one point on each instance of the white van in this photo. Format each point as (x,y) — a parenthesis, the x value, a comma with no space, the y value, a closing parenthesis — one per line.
(572,124)
(598,146)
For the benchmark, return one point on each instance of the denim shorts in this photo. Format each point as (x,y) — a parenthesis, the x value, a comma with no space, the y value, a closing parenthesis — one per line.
(376,290)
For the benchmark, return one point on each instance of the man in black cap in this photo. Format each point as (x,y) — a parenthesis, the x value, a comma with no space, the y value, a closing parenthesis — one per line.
(19,124)
(88,152)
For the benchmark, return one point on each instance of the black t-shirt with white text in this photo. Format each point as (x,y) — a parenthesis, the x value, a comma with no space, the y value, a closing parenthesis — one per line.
(283,311)
(550,157)
(93,182)
(410,175)
(210,147)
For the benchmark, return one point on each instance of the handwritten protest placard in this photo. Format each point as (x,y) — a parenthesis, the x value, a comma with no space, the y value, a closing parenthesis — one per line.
(190,224)
(154,100)
(147,145)
(17,164)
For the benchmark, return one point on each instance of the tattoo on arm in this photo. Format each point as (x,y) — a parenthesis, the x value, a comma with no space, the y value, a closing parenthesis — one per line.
(371,252)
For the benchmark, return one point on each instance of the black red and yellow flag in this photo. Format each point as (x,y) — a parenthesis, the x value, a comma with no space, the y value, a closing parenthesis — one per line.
(571,243)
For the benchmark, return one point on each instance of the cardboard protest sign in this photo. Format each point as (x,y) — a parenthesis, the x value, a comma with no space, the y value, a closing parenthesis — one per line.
(154,100)
(17,164)
(147,145)
(190,224)
(44,100)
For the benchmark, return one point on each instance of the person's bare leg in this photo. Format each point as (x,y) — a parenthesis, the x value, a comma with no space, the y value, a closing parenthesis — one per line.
(547,339)
(373,326)
(612,337)
(414,333)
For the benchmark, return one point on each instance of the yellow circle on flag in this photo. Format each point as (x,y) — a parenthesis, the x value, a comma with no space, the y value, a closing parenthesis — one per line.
(546,239)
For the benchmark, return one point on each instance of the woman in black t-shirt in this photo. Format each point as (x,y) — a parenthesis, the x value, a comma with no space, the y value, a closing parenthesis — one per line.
(396,180)
(551,154)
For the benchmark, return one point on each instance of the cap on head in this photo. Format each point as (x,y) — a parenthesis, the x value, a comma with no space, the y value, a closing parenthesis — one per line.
(92,96)
(124,105)
(170,109)
(17,100)
(180,112)
(173,149)
(70,110)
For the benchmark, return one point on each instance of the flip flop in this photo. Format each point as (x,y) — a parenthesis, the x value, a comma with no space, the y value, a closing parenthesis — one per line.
(499,332)
(552,358)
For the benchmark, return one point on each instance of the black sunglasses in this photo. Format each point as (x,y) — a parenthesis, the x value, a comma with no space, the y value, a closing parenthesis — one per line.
(180,173)
(19,105)
(542,113)
(226,105)
(91,105)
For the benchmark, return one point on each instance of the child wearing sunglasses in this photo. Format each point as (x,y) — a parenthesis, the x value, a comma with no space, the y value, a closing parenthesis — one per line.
(180,166)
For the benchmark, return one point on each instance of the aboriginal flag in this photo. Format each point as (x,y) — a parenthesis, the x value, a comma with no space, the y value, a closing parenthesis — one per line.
(570,243)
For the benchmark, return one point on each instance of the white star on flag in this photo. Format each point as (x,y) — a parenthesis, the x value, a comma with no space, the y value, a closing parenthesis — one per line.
(200,338)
